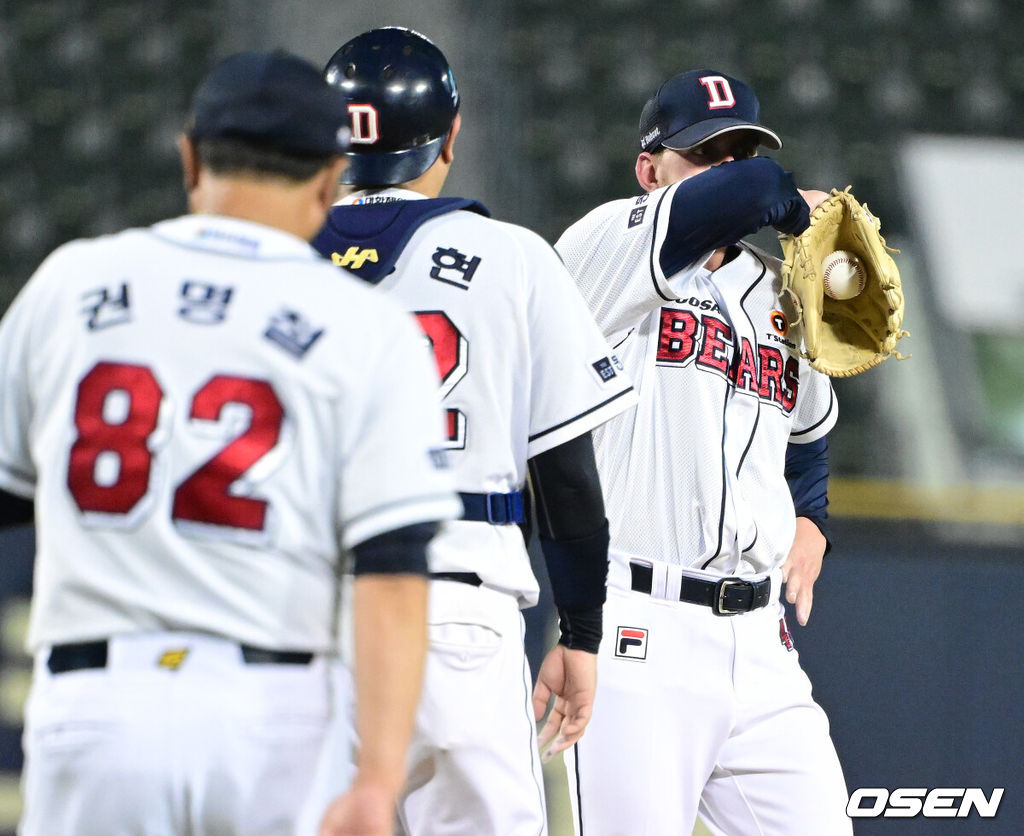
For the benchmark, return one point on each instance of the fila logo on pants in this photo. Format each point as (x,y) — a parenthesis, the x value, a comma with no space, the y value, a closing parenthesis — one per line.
(631,643)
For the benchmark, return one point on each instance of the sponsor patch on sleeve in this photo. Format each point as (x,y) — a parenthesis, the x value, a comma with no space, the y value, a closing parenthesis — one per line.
(607,368)
(636,217)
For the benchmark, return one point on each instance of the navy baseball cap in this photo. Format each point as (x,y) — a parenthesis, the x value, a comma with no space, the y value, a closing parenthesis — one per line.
(271,99)
(698,105)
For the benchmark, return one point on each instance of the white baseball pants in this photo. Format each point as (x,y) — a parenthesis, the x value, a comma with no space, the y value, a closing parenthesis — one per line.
(697,712)
(175,734)
(474,767)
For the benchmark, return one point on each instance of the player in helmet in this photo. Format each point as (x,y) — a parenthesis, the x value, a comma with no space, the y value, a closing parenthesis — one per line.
(702,705)
(201,466)
(401,82)
(525,377)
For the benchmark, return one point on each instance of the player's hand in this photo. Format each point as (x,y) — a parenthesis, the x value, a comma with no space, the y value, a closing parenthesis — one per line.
(802,567)
(367,809)
(571,675)
(813,197)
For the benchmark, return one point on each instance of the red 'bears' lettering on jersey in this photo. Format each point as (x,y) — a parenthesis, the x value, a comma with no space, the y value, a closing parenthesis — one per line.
(709,340)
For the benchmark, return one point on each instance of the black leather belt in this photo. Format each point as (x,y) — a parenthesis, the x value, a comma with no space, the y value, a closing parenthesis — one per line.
(82,655)
(472,578)
(494,508)
(725,596)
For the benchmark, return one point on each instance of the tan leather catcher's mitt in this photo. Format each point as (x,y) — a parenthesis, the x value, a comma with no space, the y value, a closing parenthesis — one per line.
(843,337)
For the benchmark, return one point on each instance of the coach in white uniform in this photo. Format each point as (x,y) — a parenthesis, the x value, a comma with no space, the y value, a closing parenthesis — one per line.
(701,702)
(207,418)
(525,376)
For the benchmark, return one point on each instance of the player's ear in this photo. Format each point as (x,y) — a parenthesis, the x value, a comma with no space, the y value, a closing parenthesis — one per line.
(448,149)
(646,172)
(189,162)
(327,190)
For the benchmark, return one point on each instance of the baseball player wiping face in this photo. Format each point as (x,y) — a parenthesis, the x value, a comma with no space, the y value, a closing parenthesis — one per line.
(715,487)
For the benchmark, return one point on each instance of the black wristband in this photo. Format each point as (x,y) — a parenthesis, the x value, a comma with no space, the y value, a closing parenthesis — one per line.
(581,629)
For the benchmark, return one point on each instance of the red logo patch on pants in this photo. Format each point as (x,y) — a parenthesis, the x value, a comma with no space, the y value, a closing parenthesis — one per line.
(631,643)
(784,635)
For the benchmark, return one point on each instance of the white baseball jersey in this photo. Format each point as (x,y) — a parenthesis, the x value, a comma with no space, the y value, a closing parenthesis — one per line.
(207,415)
(722,387)
(523,368)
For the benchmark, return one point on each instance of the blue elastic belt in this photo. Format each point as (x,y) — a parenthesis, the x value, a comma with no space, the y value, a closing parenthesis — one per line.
(494,508)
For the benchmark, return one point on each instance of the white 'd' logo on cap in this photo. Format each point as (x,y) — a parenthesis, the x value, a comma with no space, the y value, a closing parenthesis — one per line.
(365,124)
(719,92)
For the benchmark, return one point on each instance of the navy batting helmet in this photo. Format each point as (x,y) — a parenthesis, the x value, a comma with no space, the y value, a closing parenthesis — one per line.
(402,101)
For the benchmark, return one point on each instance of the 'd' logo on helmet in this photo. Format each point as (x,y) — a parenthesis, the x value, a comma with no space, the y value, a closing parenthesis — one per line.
(365,124)
(719,91)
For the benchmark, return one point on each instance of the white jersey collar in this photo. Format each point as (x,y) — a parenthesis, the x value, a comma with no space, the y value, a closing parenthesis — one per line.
(233,236)
(390,194)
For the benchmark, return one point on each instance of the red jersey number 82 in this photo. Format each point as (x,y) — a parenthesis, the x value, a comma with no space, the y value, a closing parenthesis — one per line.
(117,414)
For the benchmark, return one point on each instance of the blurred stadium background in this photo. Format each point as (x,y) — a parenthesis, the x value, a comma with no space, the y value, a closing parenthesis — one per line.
(918,104)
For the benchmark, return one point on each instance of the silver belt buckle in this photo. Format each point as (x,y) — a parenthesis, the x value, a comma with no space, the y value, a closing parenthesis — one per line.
(718,607)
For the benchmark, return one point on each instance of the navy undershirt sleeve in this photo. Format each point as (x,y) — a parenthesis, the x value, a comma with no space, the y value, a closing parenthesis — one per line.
(720,206)
(14,510)
(400,551)
(569,499)
(807,475)
(573,537)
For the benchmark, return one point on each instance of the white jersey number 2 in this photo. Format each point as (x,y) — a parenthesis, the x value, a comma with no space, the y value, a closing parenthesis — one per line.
(121,448)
